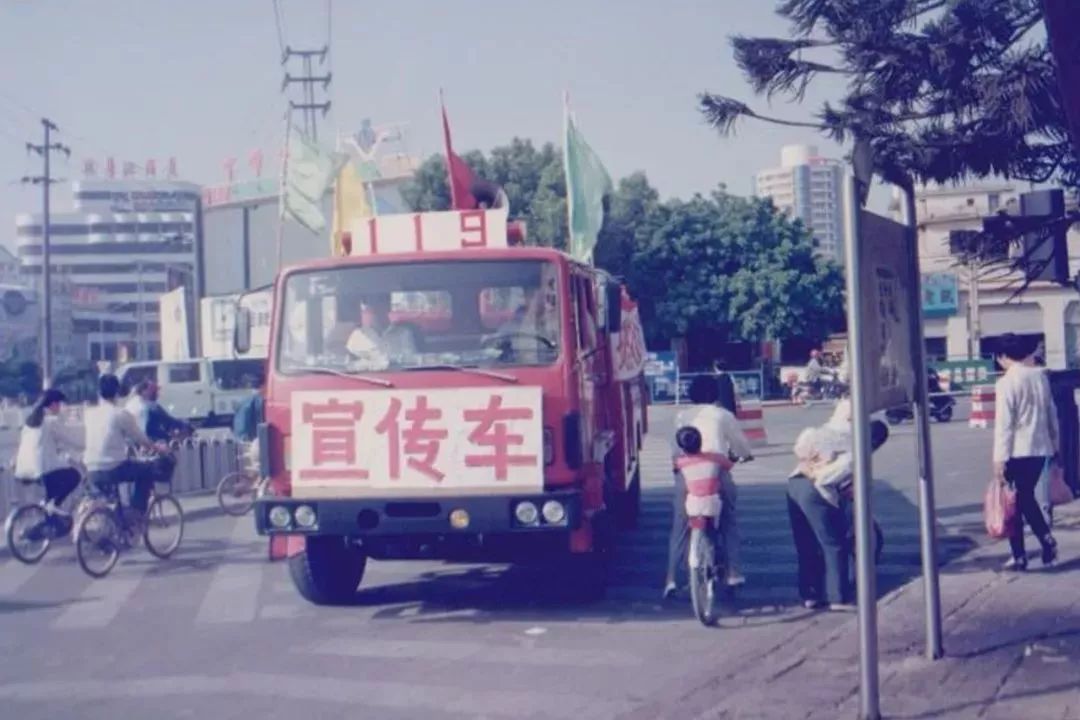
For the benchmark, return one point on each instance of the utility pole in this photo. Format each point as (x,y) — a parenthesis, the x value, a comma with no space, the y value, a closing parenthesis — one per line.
(307,82)
(46,180)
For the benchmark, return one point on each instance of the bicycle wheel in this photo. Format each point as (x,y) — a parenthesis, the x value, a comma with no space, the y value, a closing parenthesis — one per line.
(28,533)
(236,492)
(97,542)
(703,577)
(164,526)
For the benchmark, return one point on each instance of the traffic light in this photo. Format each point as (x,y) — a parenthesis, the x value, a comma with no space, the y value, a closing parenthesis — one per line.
(1045,249)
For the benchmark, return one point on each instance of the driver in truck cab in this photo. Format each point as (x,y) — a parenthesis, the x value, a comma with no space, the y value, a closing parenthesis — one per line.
(370,330)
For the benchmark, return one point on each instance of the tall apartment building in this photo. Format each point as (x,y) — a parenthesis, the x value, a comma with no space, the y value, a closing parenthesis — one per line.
(809,187)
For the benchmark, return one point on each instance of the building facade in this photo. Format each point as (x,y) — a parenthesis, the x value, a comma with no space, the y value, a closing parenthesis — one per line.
(123,244)
(809,187)
(967,308)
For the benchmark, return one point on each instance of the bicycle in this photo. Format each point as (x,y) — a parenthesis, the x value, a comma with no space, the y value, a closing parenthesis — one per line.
(238,491)
(103,529)
(31,528)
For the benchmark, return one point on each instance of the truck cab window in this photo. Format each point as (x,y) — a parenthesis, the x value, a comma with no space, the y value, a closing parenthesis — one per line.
(401,316)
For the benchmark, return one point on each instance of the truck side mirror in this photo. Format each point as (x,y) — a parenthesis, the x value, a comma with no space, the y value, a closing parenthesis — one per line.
(242,333)
(614,306)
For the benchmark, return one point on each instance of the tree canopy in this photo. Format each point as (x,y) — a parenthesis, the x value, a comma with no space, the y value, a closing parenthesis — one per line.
(941,89)
(736,269)
(733,267)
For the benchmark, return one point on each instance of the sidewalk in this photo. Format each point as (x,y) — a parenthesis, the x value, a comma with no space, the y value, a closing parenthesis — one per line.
(1012,644)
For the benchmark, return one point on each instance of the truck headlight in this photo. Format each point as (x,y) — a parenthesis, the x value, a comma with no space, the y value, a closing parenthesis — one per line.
(526,513)
(305,516)
(554,512)
(279,516)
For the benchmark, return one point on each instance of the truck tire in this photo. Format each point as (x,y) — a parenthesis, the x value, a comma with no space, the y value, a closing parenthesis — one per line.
(329,570)
(630,503)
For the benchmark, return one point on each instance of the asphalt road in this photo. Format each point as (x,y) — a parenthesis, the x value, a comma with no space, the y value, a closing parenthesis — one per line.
(218,632)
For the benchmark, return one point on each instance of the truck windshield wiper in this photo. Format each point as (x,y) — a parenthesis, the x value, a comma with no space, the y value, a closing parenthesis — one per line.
(465,369)
(381,382)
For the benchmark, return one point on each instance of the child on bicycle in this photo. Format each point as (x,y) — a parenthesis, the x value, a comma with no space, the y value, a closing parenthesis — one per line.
(720,438)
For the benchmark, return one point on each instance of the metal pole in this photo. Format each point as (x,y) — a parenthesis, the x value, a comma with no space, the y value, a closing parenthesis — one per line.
(281,190)
(46,271)
(860,418)
(927,512)
(139,350)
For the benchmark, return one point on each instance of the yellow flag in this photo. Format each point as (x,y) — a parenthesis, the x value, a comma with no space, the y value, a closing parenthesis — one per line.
(350,204)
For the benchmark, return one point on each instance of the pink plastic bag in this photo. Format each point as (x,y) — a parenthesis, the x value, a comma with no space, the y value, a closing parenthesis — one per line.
(1060,492)
(999,510)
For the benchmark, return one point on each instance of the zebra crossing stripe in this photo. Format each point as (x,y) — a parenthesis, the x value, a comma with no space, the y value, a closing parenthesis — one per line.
(14,574)
(233,593)
(99,603)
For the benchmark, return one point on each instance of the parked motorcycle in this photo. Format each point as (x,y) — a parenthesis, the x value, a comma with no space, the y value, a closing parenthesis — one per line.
(940,409)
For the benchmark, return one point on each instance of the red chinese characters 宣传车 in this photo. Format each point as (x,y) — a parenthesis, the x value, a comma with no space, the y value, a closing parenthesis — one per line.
(333,440)
(491,432)
(419,442)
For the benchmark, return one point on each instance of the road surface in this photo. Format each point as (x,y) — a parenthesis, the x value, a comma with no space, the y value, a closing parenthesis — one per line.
(219,632)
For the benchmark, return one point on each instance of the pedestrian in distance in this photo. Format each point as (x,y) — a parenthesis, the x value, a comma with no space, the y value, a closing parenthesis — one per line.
(720,435)
(1026,437)
(42,444)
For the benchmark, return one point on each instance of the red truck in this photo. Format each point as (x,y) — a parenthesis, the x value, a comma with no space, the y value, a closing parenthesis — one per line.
(442,393)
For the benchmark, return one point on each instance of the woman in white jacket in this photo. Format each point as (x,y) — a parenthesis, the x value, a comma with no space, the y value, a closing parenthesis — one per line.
(44,437)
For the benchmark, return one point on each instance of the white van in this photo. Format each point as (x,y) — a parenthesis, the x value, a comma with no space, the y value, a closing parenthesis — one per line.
(200,390)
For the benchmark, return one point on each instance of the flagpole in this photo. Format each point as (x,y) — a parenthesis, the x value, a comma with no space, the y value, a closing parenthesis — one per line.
(448,149)
(282,186)
(566,172)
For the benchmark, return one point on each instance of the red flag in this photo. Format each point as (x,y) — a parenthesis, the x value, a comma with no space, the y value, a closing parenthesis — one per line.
(460,175)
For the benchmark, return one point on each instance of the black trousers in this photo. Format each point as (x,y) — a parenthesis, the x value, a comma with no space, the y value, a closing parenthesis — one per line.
(1023,474)
(820,532)
(59,484)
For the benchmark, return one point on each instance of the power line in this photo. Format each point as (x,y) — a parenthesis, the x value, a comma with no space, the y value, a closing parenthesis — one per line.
(280,32)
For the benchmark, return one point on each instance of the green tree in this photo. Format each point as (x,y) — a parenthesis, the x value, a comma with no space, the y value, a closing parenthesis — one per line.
(941,89)
(629,209)
(732,268)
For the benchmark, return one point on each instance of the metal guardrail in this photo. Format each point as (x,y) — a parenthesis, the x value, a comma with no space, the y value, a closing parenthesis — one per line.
(200,465)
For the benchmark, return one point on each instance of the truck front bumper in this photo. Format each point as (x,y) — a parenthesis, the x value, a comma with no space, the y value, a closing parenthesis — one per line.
(554,512)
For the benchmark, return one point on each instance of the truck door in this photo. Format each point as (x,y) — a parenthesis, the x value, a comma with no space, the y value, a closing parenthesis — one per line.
(591,370)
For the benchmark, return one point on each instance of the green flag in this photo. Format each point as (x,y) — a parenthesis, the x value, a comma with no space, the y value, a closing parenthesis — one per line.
(587,182)
(309,171)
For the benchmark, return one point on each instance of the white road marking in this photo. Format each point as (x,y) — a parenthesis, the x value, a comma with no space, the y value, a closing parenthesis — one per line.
(474,652)
(233,594)
(99,604)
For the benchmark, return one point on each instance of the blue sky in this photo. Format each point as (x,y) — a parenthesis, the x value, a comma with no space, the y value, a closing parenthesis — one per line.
(199,80)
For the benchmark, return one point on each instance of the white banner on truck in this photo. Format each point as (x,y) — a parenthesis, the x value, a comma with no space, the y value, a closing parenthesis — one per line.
(430,232)
(417,442)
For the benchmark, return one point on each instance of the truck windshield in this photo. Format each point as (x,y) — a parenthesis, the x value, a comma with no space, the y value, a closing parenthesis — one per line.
(405,316)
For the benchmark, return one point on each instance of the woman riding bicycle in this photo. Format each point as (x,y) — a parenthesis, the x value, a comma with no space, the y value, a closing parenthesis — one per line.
(43,439)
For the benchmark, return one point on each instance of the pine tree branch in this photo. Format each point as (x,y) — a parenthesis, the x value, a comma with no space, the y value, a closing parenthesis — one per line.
(722,113)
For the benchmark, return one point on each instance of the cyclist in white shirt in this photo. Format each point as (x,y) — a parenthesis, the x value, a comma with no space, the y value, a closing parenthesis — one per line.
(110,433)
(41,443)
(720,435)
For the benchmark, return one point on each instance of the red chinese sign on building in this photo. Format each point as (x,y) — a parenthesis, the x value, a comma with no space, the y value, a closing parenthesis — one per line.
(378,441)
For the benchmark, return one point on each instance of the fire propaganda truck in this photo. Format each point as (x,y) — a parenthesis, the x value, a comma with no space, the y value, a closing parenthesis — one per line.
(443,392)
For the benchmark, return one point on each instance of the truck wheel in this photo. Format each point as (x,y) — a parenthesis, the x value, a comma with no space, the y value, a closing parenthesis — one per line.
(329,570)
(630,503)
